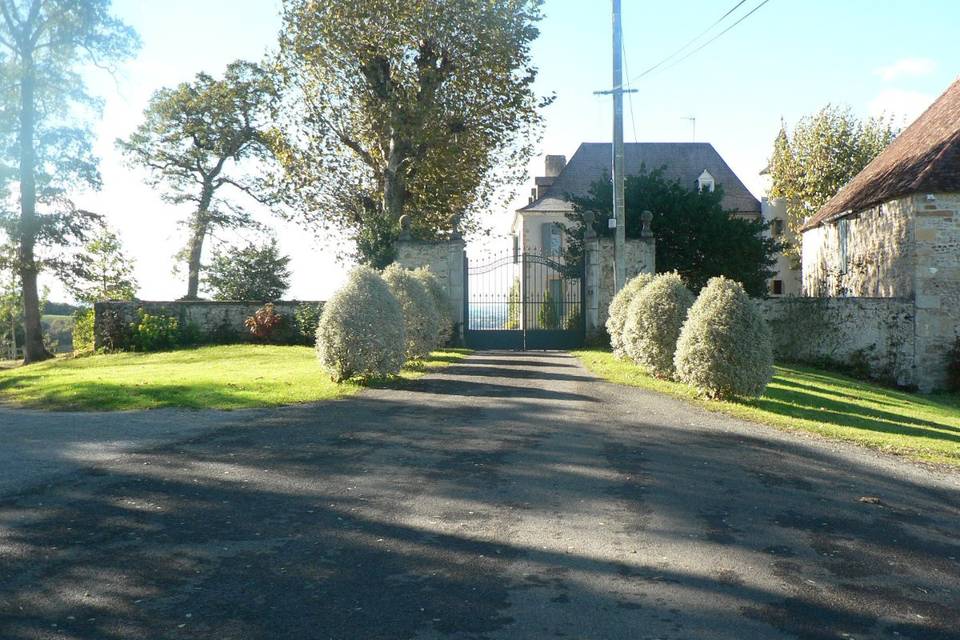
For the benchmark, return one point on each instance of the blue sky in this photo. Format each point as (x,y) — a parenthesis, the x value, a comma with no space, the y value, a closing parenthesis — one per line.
(785,61)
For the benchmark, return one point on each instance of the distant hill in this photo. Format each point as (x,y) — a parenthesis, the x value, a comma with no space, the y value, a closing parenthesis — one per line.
(60,309)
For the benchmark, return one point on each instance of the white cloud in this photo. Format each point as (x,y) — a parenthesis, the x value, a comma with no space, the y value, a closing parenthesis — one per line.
(904,106)
(906,68)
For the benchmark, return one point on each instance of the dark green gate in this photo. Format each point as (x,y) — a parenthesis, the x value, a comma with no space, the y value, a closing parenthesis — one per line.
(523,301)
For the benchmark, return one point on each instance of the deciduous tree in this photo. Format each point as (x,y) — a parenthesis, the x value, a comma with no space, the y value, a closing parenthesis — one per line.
(421,108)
(102,271)
(824,152)
(202,136)
(251,272)
(44,44)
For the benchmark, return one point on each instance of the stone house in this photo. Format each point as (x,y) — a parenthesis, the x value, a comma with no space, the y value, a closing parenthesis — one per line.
(893,233)
(536,226)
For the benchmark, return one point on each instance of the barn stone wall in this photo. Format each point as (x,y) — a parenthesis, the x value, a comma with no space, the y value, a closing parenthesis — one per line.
(905,249)
(872,335)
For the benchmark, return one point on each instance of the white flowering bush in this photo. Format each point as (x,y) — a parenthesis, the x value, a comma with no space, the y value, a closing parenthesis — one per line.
(361,330)
(442,302)
(617,314)
(653,323)
(421,318)
(725,348)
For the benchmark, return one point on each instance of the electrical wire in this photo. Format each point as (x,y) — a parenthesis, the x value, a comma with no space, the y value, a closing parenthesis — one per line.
(633,120)
(752,11)
(692,41)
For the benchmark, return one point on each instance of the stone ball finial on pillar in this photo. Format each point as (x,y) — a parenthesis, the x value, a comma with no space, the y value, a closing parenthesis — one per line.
(588,219)
(645,219)
(404,227)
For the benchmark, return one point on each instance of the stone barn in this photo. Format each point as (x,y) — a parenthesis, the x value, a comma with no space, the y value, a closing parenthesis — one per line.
(893,233)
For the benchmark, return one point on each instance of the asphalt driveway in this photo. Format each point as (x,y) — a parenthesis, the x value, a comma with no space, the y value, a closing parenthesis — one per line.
(510,496)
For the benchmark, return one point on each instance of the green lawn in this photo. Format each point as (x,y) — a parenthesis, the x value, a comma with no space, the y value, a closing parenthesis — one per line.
(223,377)
(921,427)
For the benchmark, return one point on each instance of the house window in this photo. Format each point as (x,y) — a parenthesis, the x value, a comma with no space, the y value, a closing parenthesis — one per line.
(843,233)
(706,182)
(777,288)
(552,239)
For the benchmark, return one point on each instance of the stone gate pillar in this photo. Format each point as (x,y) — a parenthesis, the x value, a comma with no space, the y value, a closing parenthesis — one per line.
(445,259)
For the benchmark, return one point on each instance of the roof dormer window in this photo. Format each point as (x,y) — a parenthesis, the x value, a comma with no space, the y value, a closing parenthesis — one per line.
(706,182)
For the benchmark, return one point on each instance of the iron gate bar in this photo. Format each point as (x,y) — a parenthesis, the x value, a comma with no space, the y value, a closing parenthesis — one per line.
(523,301)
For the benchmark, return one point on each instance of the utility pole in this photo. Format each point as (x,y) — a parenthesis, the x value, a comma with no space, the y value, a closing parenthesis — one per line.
(619,217)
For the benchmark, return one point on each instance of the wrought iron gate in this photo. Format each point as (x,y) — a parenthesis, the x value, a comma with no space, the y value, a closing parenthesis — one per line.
(523,301)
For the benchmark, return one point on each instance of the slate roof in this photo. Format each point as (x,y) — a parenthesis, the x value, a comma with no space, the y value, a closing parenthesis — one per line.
(925,158)
(683,161)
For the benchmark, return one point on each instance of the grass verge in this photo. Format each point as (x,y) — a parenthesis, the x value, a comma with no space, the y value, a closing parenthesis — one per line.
(221,377)
(921,427)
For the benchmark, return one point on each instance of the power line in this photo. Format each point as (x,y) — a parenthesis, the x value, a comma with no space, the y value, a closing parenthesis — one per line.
(752,11)
(684,47)
(626,67)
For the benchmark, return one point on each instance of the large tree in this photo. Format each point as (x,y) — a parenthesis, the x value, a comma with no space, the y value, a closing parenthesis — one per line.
(102,271)
(423,108)
(204,142)
(824,152)
(694,235)
(44,45)
(249,272)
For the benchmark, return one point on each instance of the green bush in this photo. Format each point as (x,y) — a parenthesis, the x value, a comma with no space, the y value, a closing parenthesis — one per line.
(548,317)
(306,317)
(617,315)
(725,348)
(361,330)
(953,367)
(83,331)
(653,323)
(442,303)
(421,318)
(154,332)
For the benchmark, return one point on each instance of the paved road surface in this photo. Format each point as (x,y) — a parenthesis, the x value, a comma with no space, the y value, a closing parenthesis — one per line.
(511,496)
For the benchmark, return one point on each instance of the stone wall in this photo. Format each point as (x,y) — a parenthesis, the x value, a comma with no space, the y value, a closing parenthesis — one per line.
(936,284)
(906,249)
(215,321)
(445,261)
(600,287)
(875,335)
(879,255)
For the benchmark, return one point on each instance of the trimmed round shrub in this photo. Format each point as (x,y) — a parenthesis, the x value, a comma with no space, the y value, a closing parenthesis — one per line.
(725,348)
(617,315)
(421,318)
(653,323)
(361,330)
(442,303)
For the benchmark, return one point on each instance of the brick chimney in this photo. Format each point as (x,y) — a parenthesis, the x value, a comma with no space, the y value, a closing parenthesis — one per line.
(553,165)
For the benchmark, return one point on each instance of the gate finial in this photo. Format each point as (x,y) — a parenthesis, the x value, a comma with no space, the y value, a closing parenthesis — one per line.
(404,227)
(645,219)
(589,232)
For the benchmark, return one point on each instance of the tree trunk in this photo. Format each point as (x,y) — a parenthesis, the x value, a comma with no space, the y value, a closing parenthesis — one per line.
(33,347)
(201,225)
(393,186)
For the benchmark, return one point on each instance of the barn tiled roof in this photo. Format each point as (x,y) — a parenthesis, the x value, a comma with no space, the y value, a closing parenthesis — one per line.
(682,161)
(925,158)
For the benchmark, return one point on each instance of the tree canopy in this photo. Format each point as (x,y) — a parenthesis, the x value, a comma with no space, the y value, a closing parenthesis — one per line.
(44,45)
(694,235)
(422,108)
(103,271)
(250,272)
(824,152)
(202,136)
